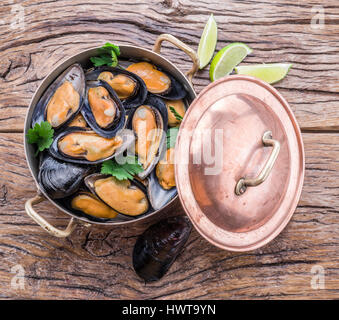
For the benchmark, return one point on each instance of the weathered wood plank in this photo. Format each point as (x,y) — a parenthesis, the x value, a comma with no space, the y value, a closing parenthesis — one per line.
(277,31)
(96,262)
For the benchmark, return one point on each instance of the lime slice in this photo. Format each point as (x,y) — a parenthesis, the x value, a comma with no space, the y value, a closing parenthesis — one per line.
(227,58)
(270,73)
(207,42)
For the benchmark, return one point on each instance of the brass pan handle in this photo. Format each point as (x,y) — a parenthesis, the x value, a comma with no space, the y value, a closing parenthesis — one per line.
(45,224)
(184,47)
(243,183)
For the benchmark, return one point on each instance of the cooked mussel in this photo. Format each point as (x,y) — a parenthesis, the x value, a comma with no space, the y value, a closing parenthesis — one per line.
(157,81)
(126,197)
(88,204)
(161,182)
(129,87)
(149,123)
(63,99)
(164,170)
(60,179)
(180,109)
(78,121)
(157,248)
(81,145)
(102,109)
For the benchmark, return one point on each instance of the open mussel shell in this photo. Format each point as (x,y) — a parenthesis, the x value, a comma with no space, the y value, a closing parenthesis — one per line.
(158,82)
(84,146)
(127,197)
(180,106)
(60,179)
(86,204)
(102,109)
(154,110)
(161,186)
(157,248)
(63,99)
(129,87)
(176,92)
(157,195)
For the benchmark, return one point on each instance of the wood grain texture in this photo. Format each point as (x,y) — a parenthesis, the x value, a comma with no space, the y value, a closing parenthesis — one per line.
(95,263)
(278,31)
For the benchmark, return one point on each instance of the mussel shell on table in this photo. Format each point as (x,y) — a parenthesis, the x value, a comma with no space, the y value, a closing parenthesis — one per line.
(100,94)
(172,89)
(114,77)
(158,108)
(157,248)
(60,179)
(87,151)
(127,197)
(67,90)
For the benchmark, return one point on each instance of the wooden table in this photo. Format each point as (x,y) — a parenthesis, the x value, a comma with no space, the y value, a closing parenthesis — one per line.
(95,263)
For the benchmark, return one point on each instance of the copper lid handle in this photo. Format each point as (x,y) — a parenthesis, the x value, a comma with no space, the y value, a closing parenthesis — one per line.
(184,47)
(243,183)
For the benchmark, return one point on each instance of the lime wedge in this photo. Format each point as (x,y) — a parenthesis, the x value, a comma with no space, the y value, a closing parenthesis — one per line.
(207,42)
(227,58)
(270,73)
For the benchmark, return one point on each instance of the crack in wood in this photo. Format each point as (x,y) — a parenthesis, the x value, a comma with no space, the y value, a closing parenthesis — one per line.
(4,74)
(3,197)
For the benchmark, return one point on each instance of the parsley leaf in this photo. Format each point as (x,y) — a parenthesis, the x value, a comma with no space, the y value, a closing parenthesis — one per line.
(114,59)
(108,55)
(172,137)
(111,47)
(101,61)
(41,135)
(176,114)
(122,171)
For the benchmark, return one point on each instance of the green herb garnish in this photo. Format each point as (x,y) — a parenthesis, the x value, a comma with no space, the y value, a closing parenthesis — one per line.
(41,135)
(172,137)
(108,55)
(122,171)
(176,114)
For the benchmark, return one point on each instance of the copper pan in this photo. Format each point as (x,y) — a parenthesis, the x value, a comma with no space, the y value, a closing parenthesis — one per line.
(127,51)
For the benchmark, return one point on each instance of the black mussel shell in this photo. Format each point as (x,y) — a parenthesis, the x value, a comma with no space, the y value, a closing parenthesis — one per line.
(89,182)
(157,248)
(75,75)
(60,179)
(127,136)
(140,94)
(157,195)
(158,105)
(120,118)
(154,102)
(176,92)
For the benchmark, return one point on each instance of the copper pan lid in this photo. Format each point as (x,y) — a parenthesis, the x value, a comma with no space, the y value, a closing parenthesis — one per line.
(239,163)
